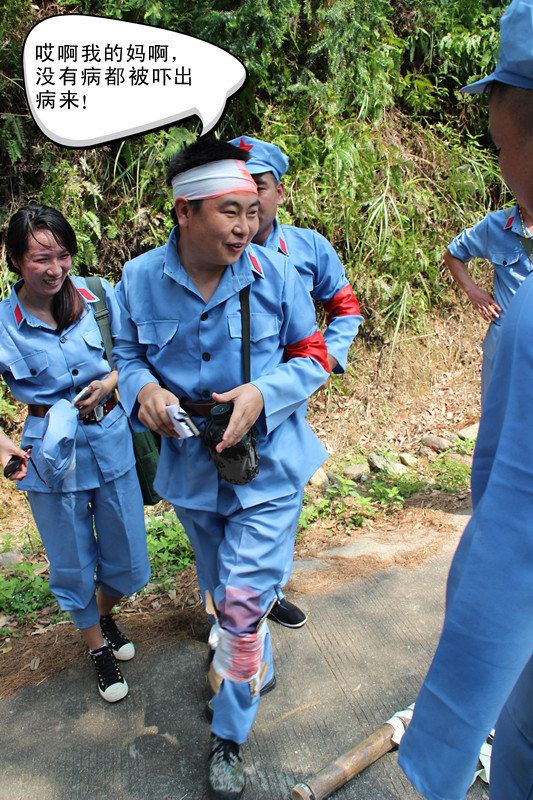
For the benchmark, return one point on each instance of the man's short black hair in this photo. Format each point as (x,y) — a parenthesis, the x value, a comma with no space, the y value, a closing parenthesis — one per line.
(203,151)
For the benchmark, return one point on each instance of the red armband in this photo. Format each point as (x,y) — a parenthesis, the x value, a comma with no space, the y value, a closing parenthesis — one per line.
(313,346)
(342,304)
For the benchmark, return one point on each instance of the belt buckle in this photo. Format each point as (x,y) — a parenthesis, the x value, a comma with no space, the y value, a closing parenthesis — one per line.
(99,413)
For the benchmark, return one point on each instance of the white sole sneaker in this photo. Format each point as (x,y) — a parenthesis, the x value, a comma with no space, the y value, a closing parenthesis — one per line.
(115,692)
(124,653)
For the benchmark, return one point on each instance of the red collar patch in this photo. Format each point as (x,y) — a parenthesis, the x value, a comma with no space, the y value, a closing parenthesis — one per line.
(87,295)
(283,247)
(243,146)
(18,314)
(256,266)
(509,222)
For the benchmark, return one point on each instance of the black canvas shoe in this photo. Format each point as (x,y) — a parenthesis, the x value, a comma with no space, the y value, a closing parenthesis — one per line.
(122,647)
(111,684)
(264,690)
(287,614)
(226,772)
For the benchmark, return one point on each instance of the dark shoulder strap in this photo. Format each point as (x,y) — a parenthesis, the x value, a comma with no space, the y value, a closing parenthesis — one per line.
(101,314)
(244,296)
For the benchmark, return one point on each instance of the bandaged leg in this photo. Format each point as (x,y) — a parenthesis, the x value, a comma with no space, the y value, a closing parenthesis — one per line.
(242,554)
(238,658)
(234,709)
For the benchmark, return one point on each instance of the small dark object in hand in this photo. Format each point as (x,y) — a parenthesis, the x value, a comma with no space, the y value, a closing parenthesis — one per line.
(14,464)
(239,463)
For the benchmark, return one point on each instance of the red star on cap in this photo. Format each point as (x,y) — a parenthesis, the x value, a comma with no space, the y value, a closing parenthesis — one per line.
(243,145)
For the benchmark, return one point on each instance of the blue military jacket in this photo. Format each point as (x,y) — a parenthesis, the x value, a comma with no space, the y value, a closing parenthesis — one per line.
(169,333)
(324,277)
(487,638)
(41,366)
(497,238)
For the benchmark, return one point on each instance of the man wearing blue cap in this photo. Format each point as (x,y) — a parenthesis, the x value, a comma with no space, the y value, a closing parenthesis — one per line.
(482,672)
(324,276)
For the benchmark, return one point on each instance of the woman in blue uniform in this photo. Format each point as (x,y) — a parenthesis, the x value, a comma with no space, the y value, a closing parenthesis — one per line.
(90,512)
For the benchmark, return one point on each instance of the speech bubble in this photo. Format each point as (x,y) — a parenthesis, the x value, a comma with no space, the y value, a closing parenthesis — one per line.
(91,80)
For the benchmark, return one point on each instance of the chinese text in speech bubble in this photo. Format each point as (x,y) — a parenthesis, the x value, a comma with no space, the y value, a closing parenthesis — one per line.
(91,80)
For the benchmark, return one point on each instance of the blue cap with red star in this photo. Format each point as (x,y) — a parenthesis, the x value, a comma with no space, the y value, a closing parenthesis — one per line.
(265,157)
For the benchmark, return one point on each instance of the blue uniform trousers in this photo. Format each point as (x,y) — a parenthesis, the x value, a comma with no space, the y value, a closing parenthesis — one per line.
(511,773)
(289,557)
(240,557)
(93,532)
(490,344)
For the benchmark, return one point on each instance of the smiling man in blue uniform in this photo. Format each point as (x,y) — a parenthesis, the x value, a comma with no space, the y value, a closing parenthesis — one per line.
(482,672)
(182,339)
(324,277)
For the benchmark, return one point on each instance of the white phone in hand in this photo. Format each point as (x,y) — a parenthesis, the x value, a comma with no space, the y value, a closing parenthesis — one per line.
(81,395)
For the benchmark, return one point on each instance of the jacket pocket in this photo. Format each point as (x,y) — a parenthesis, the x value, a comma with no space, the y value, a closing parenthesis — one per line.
(261,326)
(29,366)
(94,340)
(506,260)
(157,332)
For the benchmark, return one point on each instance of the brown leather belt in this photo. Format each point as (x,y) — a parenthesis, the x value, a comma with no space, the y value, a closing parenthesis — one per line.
(198,408)
(109,405)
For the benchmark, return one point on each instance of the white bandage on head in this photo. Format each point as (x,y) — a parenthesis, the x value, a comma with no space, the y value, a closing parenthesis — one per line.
(213,180)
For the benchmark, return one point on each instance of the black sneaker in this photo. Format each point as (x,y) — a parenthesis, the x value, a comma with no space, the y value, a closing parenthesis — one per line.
(111,684)
(122,647)
(287,614)
(265,689)
(226,772)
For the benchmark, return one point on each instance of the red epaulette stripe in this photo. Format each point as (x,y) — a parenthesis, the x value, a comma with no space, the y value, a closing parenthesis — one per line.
(18,314)
(314,346)
(255,263)
(509,223)
(87,294)
(283,247)
(342,304)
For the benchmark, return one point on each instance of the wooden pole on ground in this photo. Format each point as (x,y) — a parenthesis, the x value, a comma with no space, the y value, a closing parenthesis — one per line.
(346,767)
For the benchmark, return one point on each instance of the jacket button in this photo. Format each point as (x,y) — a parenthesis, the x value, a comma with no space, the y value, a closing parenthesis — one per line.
(75,371)
(505,263)
(206,394)
(63,339)
(204,316)
(206,356)
(33,372)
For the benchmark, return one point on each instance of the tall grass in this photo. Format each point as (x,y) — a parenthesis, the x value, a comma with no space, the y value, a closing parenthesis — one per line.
(387,159)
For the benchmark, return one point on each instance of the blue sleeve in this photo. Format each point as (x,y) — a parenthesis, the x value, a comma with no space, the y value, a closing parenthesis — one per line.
(291,383)
(487,638)
(330,279)
(129,356)
(472,242)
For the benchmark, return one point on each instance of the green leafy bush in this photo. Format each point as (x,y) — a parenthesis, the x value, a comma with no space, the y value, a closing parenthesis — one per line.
(450,475)
(23,592)
(168,547)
